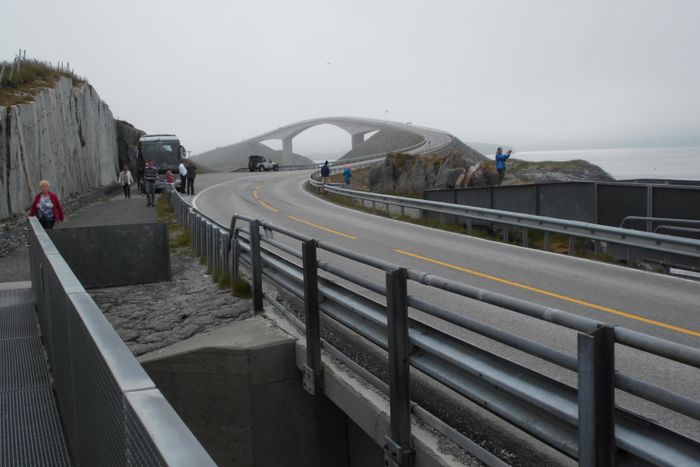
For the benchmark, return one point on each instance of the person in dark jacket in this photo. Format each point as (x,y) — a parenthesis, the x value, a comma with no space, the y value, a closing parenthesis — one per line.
(501,163)
(191,174)
(150,177)
(325,173)
(46,206)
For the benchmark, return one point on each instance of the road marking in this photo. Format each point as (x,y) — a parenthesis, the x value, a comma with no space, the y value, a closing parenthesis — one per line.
(325,229)
(551,294)
(263,203)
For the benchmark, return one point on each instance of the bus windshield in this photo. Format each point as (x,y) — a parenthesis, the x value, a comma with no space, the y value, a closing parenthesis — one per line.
(164,153)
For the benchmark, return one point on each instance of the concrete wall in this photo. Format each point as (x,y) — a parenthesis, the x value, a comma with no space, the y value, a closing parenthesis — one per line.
(142,256)
(66,136)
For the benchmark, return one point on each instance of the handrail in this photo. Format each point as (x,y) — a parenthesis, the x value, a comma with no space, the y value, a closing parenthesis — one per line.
(111,410)
(604,233)
(534,402)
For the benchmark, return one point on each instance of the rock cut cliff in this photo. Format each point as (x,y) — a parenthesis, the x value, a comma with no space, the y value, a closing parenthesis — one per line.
(67,136)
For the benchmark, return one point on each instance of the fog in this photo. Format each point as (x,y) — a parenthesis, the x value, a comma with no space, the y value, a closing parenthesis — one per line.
(535,74)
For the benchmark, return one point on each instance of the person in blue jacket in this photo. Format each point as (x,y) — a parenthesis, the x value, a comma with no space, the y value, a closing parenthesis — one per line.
(347,176)
(501,163)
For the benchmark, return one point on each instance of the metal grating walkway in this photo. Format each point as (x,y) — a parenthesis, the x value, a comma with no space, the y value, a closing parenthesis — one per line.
(30,428)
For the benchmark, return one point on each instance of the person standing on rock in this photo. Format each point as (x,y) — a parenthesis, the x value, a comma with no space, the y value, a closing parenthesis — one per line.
(125,180)
(501,163)
(191,174)
(150,176)
(325,173)
(347,176)
(46,206)
(183,176)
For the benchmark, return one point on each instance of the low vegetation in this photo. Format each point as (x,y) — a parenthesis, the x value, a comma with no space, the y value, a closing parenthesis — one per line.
(20,87)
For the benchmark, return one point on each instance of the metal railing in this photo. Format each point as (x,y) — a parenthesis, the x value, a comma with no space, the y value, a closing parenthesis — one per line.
(580,421)
(112,413)
(524,222)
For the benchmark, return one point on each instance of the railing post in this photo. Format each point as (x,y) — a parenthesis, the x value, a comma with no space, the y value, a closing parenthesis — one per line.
(235,257)
(572,246)
(505,234)
(526,239)
(545,245)
(313,376)
(256,261)
(596,398)
(398,448)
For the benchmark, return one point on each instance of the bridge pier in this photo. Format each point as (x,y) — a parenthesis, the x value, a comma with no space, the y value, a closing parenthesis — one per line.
(287,150)
(357,139)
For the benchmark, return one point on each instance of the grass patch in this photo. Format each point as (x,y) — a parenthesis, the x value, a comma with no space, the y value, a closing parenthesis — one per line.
(33,77)
(203,260)
(181,239)
(223,280)
(241,289)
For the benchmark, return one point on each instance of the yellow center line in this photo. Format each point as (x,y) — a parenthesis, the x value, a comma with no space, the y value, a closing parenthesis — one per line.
(551,294)
(263,203)
(325,229)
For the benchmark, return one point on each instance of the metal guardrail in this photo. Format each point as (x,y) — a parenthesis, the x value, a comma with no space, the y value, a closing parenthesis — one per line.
(658,219)
(581,422)
(111,410)
(520,221)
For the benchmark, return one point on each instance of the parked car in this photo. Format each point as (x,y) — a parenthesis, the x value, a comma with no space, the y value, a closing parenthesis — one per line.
(259,164)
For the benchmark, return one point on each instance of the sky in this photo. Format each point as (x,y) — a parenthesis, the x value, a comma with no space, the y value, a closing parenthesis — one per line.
(536,74)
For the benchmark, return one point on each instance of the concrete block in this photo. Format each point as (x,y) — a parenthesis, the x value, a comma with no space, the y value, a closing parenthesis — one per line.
(115,255)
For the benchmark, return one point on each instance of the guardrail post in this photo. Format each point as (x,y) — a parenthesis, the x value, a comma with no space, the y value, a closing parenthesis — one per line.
(313,376)
(256,261)
(545,245)
(398,448)
(505,234)
(235,257)
(572,245)
(526,239)
(596,398)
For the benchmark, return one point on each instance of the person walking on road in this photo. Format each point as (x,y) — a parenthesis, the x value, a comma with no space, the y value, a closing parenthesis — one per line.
(150,176)
(183,176)
(501,163)
(191,174)
(46,206)
(125,180)
(325,173)
(347,176)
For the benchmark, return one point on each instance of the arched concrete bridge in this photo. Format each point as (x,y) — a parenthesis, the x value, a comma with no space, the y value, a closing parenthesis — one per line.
(358,128)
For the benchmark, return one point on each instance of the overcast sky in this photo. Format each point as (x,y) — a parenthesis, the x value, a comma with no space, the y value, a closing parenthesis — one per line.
(533,74)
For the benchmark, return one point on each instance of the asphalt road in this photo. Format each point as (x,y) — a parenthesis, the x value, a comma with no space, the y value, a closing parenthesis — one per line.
(655,304)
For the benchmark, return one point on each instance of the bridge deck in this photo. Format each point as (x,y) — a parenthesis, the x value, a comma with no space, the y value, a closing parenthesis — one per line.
(30,429)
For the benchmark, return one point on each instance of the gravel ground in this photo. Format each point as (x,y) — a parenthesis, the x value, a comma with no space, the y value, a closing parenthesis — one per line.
(151,316)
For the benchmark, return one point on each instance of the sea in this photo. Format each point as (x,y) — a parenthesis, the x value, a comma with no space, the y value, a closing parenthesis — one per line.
(676,163)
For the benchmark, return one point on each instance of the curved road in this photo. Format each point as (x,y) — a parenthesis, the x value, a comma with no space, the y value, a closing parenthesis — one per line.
(656,304)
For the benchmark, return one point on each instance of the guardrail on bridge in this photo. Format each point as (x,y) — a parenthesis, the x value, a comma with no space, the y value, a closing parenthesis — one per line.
(580,421)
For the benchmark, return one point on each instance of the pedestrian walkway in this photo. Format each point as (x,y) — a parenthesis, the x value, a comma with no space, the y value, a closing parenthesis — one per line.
(30,429)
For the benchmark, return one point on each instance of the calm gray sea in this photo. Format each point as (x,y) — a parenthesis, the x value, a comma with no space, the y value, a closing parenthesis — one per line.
(680,163)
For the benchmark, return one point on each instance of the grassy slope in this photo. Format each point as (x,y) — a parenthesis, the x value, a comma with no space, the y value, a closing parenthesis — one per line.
(32,77)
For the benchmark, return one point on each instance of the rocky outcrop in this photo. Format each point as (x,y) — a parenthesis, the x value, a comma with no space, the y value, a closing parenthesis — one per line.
(66,136)
(464,167)
(127,142)
(406,173)
(381,140)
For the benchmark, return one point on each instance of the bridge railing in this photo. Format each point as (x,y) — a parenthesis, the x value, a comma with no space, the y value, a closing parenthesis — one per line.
(582,421)
(112,413)
(516,221)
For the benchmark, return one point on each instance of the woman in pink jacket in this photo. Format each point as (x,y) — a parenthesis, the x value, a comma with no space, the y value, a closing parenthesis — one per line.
(46,206)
